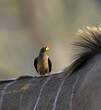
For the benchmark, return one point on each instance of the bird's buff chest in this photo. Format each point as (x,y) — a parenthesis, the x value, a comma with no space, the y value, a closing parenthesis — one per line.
(42,65)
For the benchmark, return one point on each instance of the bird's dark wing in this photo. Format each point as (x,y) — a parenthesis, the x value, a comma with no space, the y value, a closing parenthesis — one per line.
(35,63)
(50,64)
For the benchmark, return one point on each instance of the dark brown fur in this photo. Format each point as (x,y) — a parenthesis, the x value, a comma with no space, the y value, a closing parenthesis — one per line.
(89,46)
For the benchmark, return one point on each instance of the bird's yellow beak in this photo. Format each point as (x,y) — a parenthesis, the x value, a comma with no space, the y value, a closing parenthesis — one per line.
(47,48)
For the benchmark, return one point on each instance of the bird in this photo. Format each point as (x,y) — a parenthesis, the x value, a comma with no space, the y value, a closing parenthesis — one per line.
(42,63)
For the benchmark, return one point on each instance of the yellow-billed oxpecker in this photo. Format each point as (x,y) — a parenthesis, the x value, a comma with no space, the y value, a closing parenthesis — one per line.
(42,63)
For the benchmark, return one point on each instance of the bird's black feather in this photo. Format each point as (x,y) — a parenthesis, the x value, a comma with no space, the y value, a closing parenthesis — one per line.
(50,64)
(35,63)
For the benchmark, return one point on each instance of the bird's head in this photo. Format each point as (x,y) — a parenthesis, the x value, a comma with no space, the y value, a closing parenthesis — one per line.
(44,49)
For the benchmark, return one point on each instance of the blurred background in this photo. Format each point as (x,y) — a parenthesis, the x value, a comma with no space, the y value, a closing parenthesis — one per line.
(27,25)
